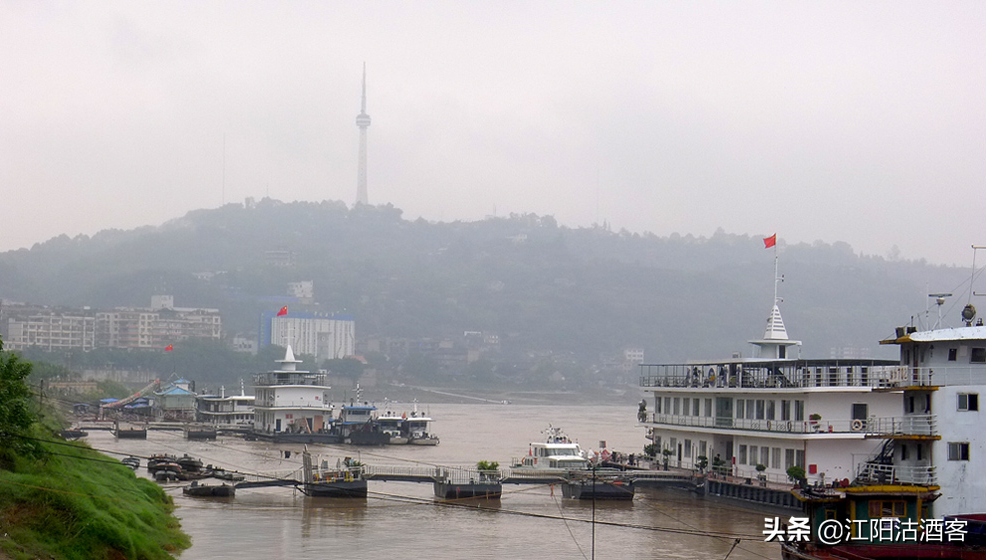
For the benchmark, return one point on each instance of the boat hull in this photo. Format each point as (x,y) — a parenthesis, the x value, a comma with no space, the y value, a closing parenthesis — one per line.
(598,490)
(336,489)
(449,491)
(210,490)
(428,440)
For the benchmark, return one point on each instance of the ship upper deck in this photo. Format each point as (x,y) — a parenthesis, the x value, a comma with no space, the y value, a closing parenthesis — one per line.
(776,374)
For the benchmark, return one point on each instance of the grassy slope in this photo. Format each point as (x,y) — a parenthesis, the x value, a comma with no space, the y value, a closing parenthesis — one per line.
(78,504)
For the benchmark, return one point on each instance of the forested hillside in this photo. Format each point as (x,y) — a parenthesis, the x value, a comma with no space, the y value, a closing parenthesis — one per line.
(540,285)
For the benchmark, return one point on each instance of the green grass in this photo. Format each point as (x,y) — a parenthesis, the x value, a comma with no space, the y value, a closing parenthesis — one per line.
(77,504)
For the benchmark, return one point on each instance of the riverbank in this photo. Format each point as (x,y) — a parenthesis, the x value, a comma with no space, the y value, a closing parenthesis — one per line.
(77,504)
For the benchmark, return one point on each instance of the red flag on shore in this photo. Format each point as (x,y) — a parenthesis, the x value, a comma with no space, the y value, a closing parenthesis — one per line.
(169,348)
(283,311)
(769,242)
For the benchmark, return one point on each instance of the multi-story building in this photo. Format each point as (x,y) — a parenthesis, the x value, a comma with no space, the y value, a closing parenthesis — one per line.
(774,410)
(51,329)
(62,328)
(316,334)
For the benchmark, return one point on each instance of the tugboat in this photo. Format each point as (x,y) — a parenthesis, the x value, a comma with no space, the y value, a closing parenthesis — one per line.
(344,481)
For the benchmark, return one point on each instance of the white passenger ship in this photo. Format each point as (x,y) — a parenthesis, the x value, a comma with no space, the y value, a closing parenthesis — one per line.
(913,422)
(771,409)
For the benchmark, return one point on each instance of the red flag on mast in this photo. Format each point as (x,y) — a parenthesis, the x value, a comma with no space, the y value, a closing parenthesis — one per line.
(769,242)
(283,311)
(169,348)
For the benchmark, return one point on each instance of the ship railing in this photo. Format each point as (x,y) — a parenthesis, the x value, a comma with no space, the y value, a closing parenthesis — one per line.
(781,375)
(272,379)
(875,473)
(943,376)
(917,424)
(910,424)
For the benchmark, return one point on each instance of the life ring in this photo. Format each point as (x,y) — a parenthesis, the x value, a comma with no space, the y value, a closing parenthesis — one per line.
(768,424)
(857,425)
(790,425)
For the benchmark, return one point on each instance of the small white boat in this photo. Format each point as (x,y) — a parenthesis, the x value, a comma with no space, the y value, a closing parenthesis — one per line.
(416,428)
(557,452)
(392,424)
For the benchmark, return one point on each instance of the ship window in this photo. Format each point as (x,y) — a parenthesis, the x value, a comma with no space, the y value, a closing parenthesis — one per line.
(968,402)
(952,354)
(740,408)
(909,404)
(799,411)
(770,410)
(978,356)
(918,448)
(708,407)
(753,455)
(657,405)
(695,405)
(887,508)
(749,409)
(788,458)
(702,448)
(785,410)
(903,452)
(742,455)
(686,406)
(688,448)
(958,451)
(760,409)
(765,456)
(677,406)
(775,457)
(799,457)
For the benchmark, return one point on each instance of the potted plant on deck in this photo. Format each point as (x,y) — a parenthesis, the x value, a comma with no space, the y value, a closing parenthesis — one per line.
(797,474)
(813,421)
(488,470)
(761,476)
(701,462)
(667,457)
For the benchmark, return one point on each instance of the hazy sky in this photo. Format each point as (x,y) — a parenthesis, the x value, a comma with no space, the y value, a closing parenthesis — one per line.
(862,122)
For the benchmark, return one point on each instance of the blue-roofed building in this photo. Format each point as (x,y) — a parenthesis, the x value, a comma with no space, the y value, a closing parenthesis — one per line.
(176,401)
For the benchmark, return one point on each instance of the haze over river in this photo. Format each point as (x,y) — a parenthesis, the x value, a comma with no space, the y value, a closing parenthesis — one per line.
(404,520)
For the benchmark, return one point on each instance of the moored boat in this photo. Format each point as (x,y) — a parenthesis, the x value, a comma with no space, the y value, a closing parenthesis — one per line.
(209,490)
(580,478)
(416,428)
(392,424)
(344,481)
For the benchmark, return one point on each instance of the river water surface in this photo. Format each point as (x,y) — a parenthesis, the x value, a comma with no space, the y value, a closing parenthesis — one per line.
(403,519)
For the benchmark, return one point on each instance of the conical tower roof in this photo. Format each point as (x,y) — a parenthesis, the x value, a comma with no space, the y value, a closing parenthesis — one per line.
(289,363)
(775,326)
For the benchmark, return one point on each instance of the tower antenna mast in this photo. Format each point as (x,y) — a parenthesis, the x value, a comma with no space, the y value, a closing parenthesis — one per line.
(363,122)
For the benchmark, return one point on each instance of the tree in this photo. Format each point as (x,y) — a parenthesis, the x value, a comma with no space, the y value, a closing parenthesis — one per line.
(15,400)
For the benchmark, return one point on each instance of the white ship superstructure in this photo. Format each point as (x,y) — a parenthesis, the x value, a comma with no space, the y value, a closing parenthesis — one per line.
(291,401)
(939,442)
(774,410)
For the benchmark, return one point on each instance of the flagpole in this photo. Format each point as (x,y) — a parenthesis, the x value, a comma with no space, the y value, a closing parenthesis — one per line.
(775,273)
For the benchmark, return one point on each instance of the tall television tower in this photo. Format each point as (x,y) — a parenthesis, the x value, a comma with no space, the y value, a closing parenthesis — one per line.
(362,121)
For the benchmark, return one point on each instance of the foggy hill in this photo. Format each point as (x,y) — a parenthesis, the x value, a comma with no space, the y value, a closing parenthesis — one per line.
(540,285)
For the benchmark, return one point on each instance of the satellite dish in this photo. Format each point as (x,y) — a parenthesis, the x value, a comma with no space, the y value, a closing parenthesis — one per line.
(968,314)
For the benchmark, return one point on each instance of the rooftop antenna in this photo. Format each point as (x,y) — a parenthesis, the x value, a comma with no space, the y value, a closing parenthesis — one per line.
(969,311)
(939,300)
